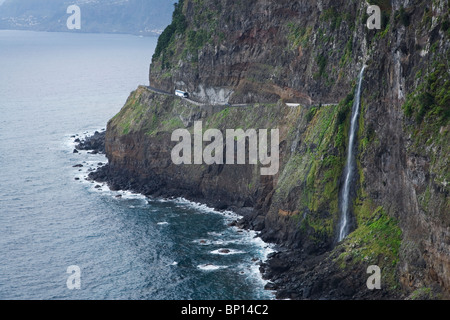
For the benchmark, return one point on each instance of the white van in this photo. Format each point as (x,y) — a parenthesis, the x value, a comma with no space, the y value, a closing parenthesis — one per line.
(181,94)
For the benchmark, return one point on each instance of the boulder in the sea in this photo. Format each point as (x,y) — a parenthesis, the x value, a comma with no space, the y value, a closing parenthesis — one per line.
(95,143)
(270,286)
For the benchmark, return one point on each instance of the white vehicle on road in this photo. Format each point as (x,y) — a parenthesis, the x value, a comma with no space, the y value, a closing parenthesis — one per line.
(181,94)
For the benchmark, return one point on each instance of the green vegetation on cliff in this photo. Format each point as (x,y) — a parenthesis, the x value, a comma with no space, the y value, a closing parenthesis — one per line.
(376,241)
(182,39)
(178,26)
(431,100)
(164,114)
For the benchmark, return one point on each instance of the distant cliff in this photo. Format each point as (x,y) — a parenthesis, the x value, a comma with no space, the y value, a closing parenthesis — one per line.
(268,53)
(139,17)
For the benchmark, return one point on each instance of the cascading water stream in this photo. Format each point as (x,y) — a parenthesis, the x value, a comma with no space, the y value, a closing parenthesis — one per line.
(351,162)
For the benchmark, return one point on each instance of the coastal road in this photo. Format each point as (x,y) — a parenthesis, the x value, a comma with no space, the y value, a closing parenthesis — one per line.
(200,104)
(172,94)
(159,91)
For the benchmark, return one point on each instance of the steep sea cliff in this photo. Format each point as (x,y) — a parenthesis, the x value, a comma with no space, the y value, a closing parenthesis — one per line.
(267,55)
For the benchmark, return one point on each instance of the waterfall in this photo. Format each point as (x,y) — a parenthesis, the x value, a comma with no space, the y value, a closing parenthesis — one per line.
(351,162)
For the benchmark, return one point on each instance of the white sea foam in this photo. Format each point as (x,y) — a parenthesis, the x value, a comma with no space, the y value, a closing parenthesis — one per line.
(161,200)
(132,195)
(252,273)
(210,267)
(215,234)
(203,242)
(200,207)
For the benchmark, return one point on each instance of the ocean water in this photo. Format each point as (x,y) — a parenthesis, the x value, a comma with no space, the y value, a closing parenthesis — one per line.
(54,86)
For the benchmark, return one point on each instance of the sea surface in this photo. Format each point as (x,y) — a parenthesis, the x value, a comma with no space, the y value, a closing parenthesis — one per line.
(55,87)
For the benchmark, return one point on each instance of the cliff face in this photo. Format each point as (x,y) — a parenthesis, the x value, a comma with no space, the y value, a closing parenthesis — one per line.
(265,53)
(259,51)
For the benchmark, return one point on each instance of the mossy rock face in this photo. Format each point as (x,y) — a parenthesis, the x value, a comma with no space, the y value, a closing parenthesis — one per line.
(376,241)
(151,113)
(430,102)
(425,293)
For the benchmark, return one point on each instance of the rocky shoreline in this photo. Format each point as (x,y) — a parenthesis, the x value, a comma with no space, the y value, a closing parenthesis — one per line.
(293,273)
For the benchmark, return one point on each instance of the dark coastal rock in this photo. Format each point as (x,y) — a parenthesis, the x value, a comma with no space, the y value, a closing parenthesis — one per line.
(233,223)
(94,144)
(270,286)
(278,265)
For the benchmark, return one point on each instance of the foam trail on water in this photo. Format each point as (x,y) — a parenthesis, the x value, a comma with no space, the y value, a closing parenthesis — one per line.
(350,166)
